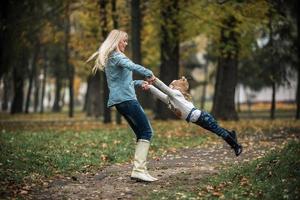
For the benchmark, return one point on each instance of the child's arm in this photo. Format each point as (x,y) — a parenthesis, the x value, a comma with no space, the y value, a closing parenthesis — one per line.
(163,87)
(159,94)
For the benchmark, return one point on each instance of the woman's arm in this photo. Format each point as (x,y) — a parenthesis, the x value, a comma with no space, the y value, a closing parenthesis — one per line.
(138,83)
(163,87)
(123,61)
(159,94)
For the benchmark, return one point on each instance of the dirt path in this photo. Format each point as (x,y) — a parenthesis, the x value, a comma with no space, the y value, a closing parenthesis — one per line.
(187,166)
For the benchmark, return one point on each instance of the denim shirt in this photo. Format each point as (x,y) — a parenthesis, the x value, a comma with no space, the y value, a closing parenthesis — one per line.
(118,72)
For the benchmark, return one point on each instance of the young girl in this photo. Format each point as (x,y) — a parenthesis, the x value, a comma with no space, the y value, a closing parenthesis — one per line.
(118,69)
(178,99)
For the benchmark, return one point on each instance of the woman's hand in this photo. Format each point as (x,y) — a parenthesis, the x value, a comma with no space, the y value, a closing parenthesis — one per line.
(145,85)
(151,79)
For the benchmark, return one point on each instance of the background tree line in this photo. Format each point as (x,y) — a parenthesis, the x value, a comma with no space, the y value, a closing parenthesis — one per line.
(253,43)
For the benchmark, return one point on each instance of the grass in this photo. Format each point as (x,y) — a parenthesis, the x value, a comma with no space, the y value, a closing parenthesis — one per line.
(276,176)
(31,157)
(37,147)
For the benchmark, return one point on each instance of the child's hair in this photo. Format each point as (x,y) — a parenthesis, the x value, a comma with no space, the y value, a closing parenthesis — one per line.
(183,86)
(110,44)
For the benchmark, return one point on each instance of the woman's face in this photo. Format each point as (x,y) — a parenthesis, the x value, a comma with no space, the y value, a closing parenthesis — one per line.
(123,43)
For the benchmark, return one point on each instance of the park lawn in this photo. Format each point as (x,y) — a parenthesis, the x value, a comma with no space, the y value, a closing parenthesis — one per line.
(31,157)
(275,176)
(34,151)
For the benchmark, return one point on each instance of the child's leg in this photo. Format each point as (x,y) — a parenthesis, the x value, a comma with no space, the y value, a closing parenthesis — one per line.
(208,122)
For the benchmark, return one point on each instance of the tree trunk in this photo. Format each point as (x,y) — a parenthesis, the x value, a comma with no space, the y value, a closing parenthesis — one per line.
(36,93)
(88,101)
(69,67)
(18,80)
(298,94)
(6,91)
(103,23)
(272,63)
(226,79)
(44,82)
(203,97)
(85,104)
(273,104)
(114,14)
(29,88)
(32,75)
(298,68)
(107,111)
(238,106)
(94,103)
(58,84)
(143,97)
(116,26)
(63,94)
(169,46)
(7,35)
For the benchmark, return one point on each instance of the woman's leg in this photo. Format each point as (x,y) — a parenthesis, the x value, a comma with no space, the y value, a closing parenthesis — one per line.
(138,121)
(208,122)
(136,118)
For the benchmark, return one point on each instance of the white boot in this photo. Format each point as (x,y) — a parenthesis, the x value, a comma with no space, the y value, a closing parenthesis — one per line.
(139,164)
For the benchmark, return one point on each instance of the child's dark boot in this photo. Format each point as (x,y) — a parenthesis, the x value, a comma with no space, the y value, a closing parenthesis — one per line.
(233,143)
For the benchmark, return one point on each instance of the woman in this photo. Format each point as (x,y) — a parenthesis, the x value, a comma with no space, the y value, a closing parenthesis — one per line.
(118,69)
(176,96)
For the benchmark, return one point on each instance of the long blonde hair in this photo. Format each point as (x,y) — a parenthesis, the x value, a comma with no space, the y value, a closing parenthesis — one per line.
(183,86)
(110,44)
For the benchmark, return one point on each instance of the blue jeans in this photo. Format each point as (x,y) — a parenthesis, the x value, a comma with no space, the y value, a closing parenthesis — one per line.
(208,122)
(134,114)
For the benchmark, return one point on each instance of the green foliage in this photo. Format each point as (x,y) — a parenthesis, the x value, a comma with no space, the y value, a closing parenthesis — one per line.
(271,61)
(201,17)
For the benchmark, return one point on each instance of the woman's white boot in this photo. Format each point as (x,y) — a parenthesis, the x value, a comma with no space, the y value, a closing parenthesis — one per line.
(139,171)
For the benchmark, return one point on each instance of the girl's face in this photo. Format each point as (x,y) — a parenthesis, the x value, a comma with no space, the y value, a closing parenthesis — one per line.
(123,43)
(180,84)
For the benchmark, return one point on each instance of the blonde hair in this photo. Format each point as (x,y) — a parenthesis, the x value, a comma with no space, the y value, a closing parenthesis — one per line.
(109,45)
(183,86)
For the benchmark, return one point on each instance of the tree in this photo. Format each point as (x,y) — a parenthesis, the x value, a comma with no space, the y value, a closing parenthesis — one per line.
(104,28)
(32,73)
(68,66)
(17,42)
(8,34)
(45,69)
(115,26)
(18,80)
(169,51)
(298,71)
(247,24)
(7,90)
(226,79)
(136,19)
(94,98)
(58,71)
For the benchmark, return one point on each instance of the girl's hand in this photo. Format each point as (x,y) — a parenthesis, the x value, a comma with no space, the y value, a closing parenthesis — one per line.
(145,85)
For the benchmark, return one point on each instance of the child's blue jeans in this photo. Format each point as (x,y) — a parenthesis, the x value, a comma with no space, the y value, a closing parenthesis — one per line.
(134,114)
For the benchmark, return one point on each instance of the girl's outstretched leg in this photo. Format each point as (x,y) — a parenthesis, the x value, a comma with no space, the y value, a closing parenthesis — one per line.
(208,122)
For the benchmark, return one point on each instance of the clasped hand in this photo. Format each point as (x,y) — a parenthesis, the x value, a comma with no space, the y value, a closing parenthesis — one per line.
(149,81)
